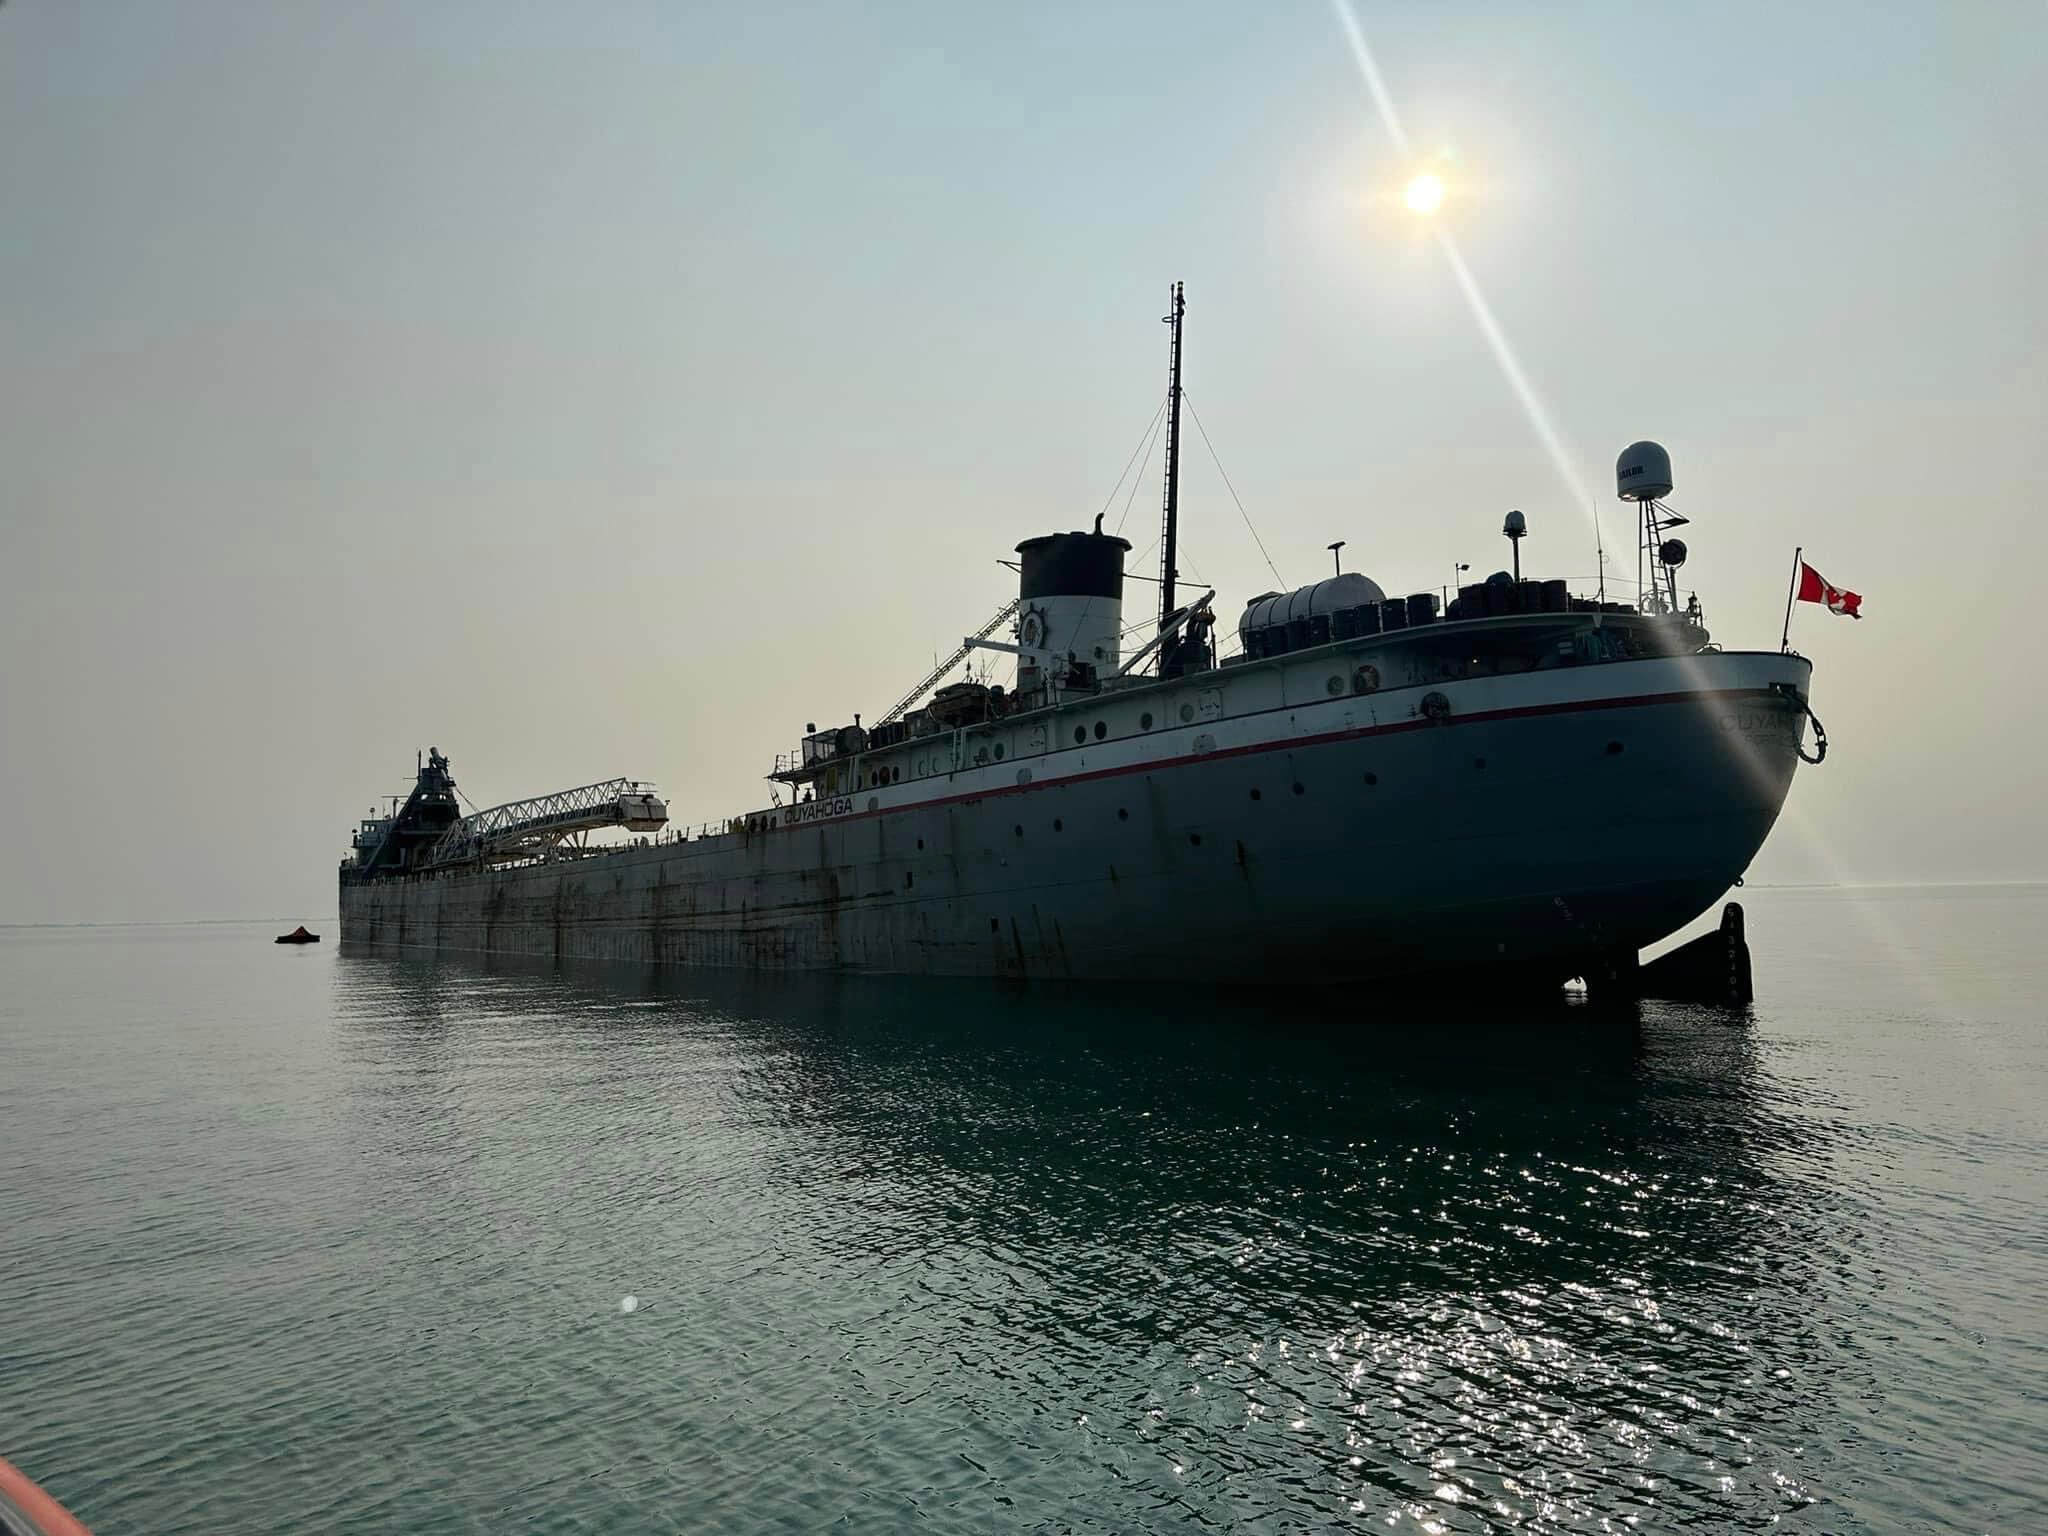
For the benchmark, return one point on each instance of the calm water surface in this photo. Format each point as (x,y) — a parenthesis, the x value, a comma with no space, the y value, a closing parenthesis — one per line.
(310,1241)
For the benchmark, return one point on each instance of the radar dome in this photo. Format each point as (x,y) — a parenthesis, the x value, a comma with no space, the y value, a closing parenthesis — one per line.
(1642,473)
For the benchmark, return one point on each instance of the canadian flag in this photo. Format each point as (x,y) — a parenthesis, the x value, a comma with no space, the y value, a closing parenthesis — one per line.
(1814,588)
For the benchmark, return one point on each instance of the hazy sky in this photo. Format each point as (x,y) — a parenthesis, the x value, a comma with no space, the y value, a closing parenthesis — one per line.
(610,389)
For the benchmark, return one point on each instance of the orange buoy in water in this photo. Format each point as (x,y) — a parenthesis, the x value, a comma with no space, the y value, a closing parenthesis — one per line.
(25,1507)
(297,936)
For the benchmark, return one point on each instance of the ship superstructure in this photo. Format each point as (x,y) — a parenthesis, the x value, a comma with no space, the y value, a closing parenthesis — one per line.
(1520,783)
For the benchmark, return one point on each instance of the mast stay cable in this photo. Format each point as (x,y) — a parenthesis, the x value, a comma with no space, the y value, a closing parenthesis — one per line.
(1144,445)
(1233,491)
(1151,437)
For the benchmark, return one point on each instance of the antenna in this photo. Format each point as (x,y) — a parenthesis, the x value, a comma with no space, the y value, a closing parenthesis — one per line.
(1643,475)
(1169,536)
(1600,553)
(1334,548)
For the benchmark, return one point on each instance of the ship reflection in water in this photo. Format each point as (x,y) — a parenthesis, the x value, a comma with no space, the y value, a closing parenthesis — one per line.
(916,1249)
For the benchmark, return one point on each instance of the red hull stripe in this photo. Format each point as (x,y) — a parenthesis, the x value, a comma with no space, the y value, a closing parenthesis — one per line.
(1576,706)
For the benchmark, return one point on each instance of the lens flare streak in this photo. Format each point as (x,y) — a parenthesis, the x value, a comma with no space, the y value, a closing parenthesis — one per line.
(1382,98)
(1561,460)
(1482,312)
(1518,380)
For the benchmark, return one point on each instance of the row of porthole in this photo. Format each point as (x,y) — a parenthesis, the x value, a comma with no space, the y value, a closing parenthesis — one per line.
(1123,814)
(893,775)
(995,753)
(1614,749)
(1145,722)
(1299,788)
(1187,715)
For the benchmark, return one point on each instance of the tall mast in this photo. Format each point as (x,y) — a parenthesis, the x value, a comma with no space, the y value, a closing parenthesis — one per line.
(1169,536)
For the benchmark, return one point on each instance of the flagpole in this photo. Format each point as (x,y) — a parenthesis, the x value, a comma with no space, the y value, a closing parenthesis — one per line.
(1785,640)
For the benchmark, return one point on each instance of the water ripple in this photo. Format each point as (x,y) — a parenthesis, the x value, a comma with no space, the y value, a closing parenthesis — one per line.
(930,1254)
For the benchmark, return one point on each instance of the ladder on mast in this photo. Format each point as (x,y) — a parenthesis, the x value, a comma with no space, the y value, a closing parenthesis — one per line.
(1169,532)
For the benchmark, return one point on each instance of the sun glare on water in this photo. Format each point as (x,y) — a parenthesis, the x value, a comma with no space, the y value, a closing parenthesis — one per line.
(1425,194)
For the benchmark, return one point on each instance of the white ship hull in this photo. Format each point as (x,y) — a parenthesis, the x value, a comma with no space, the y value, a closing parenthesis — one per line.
(1265,824)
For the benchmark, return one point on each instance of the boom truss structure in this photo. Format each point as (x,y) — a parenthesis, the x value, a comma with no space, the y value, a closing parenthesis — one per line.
(931,680)
(529,829)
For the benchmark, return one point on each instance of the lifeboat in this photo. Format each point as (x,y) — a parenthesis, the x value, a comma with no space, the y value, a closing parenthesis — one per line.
(960,704)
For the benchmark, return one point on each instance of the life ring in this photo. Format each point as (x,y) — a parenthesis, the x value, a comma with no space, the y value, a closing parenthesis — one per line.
(1436,707)
(1366,679)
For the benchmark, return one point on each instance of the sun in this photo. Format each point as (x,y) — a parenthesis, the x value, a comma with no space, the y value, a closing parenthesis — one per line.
(1425,194)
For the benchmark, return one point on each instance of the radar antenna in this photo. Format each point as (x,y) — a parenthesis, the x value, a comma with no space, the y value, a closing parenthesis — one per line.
(1643,475)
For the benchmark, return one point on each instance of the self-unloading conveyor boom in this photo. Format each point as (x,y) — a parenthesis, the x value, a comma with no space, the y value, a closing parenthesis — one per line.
(527,829)
(1007,611)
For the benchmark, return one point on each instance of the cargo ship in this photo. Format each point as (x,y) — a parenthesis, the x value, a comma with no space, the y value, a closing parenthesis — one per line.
(1516,786)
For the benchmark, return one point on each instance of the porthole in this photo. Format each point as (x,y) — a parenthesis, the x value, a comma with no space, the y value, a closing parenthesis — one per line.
(1145,721)
(999,751)
(1300,788)
(1478,762)
(873,802)
(1058,825)
(1614,749)
(1334,686)
(1122,814)
(1371,779)
(1101,730)
(920,845)
(1018,829)
(1187,713)
(1256,795)
(981,754)
(994,926)
(1080,734)
(1195,838)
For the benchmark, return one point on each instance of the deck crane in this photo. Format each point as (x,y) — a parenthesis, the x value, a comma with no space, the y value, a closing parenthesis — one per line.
(537,828)
(1002,615)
